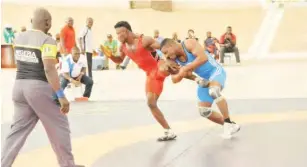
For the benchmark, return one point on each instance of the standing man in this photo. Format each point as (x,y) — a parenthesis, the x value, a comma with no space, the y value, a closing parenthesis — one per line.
(36,80)
(86,44)
(228,44)
(68,37)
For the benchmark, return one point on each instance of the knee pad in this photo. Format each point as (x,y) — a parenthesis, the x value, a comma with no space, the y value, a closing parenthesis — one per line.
(215,93)
(205,111)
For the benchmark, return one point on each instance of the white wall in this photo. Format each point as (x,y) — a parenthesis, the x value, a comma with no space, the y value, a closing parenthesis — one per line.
(202,4)
(197,4)
(94,3)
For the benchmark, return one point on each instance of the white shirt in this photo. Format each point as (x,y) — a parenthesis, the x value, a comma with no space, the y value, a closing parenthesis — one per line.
(87,34)
(68,65)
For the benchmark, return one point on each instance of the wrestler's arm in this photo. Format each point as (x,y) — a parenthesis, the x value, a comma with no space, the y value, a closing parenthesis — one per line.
(189,75)
(198,51)
(150,43)
(116,59)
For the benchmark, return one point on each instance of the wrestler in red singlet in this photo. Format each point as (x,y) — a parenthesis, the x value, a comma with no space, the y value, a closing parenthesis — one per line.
(138,48)
(143,58)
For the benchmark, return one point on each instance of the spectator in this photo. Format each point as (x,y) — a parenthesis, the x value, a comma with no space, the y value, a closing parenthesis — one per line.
(86,44)
(228,44)
(157,36)
(111,45)
(125,63)
(74,71)
(210,45)
(23,29)
(191,35)
(8,34)
(68,36)
(58,44)
(175,38)
(157,53)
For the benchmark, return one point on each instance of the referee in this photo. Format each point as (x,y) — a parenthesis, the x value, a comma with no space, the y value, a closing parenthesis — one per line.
(36,80)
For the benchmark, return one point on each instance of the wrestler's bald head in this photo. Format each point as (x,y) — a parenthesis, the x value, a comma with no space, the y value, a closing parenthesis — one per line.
(41,19)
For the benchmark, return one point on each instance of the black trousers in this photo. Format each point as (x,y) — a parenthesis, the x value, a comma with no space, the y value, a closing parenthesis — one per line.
(234,49)
(89,63)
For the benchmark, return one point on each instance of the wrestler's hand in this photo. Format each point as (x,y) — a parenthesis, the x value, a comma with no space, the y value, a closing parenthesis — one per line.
(202,82)
(183,71)
(172,67)
(76,83)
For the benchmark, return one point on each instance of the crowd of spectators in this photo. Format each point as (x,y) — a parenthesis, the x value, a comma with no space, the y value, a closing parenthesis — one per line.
(67,39)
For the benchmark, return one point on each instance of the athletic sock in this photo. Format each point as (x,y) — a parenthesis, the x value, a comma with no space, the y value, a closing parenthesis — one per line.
(227,120)
(168,130)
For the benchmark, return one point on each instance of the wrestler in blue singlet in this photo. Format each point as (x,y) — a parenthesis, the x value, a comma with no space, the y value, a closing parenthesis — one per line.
(210,70)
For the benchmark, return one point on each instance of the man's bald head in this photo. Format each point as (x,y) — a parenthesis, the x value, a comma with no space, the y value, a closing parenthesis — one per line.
(70,21)
(89,22)
(75,51)
(41,20)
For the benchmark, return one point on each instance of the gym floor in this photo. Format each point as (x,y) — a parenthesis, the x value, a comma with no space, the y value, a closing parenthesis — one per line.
(123,134)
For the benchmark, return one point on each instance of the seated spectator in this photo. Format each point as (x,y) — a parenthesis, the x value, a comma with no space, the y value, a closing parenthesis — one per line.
(210,46)
(228,44)
(156,53)
(125,63)
(8,34)
(111,45)
(73,71)
(191,35)
(175,38)
(157,36)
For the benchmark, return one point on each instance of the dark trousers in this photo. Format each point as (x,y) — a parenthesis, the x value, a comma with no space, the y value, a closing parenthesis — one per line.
(89,63)
(87,81)
(234,49)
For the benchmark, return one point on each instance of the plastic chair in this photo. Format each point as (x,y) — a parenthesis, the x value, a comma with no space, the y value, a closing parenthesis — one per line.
(229,56)
(76,92)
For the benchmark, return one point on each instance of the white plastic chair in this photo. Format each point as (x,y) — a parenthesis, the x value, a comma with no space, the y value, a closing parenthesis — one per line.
(74,92)
(229,56)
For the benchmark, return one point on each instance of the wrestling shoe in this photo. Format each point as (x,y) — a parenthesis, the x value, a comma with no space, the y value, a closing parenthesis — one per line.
(230,129)
(235,128)
(168,135)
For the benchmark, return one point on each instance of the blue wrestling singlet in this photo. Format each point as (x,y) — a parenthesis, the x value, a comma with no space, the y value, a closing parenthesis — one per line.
(210,70)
